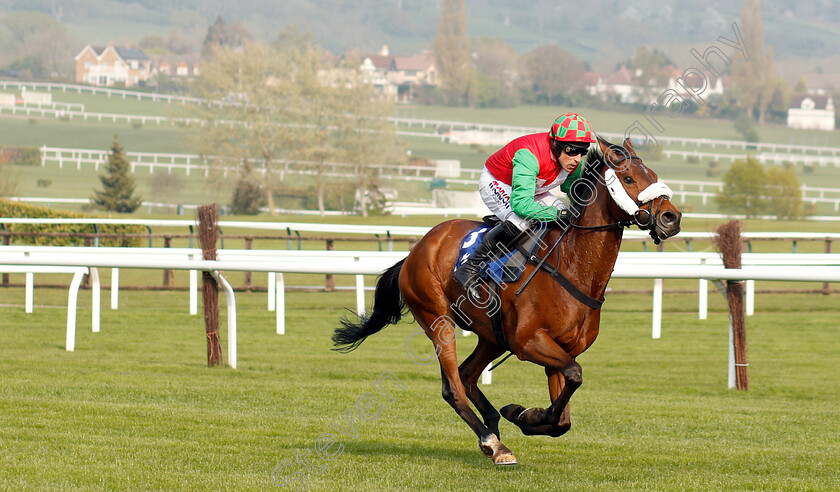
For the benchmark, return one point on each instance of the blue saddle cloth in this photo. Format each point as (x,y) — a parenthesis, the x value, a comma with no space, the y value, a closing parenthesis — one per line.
(509,266)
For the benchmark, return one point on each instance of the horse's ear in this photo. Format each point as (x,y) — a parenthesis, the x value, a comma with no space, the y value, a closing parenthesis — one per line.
(604,144)
(628,145)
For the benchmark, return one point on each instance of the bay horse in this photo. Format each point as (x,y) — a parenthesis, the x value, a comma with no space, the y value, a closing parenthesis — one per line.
(546,323)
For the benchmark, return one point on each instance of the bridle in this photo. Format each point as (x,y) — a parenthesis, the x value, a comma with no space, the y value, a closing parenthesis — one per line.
(654,195)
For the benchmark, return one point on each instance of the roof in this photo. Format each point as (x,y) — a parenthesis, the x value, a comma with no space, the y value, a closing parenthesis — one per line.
(592,78)
(122,52)
(131,53)
(622,76)
(381,62)
(416,63)
(820,101)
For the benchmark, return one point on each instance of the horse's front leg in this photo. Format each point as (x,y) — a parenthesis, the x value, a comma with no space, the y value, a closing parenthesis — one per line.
(539,420)
(565,376)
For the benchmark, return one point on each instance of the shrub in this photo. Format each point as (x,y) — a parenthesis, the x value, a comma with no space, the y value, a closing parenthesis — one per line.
(20,156)
(809,168)
(714,164)
(14,209)
(248,196)
(137,124)
(44,183)
(692,159)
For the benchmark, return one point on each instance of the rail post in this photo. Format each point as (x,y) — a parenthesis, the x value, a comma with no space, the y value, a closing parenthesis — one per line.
(167,274)
(330,280)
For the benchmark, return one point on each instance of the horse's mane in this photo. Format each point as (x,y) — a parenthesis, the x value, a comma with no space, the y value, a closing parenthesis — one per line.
(592,164)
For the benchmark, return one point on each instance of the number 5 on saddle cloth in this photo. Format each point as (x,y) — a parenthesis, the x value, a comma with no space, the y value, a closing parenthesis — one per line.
(509,263)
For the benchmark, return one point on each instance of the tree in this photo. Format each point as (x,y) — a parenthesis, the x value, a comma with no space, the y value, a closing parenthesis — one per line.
(754,79)
(166,188)
(118,184)
(653,64)
(248,195)
(551,71)
(8,177)
(366,137)
(495,62)
(451,48)
(745,125)
(279,107)
(220,34)
(38,43)
(783,193)
(259,111)
(744,188)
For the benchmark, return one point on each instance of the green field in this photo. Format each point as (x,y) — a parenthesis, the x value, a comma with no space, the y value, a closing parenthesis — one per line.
(135,407)
(169,138)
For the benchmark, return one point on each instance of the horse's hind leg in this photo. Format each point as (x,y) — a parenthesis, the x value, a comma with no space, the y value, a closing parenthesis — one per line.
(443,336)
(470,371)
(565,376)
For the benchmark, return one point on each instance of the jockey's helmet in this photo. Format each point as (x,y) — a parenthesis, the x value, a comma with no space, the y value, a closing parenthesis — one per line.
(570,133)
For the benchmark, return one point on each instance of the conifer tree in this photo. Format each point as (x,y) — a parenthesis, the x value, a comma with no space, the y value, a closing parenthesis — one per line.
(118,184)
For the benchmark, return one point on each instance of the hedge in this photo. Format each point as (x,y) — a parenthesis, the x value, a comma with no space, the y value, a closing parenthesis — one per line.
(21,156)
(12,209)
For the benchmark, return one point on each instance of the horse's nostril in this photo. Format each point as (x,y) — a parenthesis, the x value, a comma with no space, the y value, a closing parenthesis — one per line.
(667,218)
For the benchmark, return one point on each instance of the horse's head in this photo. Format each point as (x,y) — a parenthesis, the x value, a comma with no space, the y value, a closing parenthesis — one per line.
(636,192)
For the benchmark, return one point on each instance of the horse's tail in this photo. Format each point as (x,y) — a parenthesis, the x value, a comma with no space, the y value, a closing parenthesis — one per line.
(388,309)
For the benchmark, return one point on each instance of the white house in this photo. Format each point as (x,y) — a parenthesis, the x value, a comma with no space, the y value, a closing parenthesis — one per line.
(811,112)
(110,65)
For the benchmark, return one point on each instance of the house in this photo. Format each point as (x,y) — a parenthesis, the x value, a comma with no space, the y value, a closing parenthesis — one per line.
(176,67)
(112,65)
(393,76)
(811,112)
(617,85)
(714,85)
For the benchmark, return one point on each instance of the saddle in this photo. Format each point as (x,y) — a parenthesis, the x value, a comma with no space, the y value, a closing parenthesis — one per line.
(510,260)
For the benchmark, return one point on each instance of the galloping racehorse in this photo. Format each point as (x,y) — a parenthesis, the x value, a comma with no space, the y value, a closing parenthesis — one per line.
(550,322)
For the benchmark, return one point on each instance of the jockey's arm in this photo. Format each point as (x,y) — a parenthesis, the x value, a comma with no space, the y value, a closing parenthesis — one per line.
(523,188)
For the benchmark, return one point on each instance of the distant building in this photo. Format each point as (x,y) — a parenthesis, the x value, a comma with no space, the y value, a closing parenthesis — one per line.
(616,86)
(112,65)
(811,112)
(176,67)
(394,77)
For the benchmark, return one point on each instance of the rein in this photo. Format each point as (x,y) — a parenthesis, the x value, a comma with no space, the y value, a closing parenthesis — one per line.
(654,191)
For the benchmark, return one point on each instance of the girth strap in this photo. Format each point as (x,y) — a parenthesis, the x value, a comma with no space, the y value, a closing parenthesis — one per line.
(567,284)
(496,321)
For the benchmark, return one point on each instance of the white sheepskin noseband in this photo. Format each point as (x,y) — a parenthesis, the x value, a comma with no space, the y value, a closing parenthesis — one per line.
(620,196)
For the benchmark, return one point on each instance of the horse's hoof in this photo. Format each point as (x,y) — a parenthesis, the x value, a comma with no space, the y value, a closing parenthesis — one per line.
(504,458)
(512,412)
(499,452)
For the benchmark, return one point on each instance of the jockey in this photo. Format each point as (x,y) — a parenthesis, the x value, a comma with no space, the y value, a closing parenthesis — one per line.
(516,181)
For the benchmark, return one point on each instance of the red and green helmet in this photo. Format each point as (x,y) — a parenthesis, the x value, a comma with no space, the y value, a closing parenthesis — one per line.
(571,127)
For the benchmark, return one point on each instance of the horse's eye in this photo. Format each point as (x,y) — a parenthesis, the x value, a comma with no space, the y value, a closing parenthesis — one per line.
(628,180)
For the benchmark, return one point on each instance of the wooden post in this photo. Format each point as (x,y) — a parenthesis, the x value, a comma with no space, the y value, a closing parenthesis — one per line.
(86,279)
(7,240)
(827,285)
(167,274)
(208,234)
(249,244)
(330,281)
(729,244)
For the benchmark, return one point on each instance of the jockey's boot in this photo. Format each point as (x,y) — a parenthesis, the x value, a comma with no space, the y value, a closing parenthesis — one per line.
(468,273)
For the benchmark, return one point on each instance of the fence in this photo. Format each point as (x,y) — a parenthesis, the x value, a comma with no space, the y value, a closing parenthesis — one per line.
(361,264)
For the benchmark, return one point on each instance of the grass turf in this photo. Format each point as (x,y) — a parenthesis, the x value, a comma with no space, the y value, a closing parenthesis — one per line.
(134,407)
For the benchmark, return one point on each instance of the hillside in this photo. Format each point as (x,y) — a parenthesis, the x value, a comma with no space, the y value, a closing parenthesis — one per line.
(606,33)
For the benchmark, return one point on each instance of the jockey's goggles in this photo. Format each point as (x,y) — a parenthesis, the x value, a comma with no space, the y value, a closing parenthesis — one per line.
(573,150)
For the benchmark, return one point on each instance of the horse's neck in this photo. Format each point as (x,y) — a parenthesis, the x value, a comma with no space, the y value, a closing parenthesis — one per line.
(589,256)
